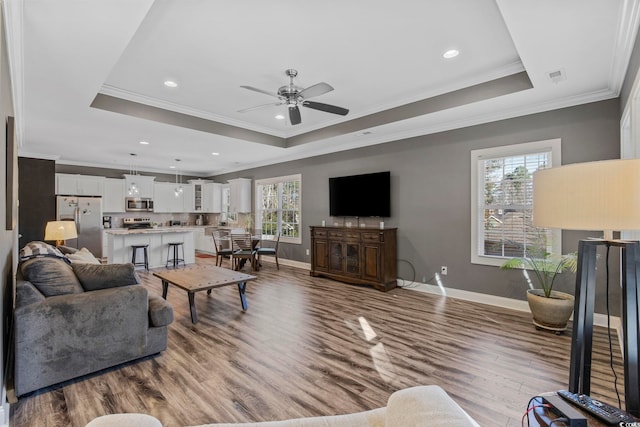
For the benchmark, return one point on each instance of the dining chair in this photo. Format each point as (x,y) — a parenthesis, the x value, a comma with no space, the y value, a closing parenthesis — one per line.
(243,250)
(221,241)
(269,251)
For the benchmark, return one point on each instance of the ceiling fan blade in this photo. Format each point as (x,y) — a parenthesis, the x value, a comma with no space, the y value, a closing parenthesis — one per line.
(316,90)
(255,89)
(294,115)
(326,108)
(258,107)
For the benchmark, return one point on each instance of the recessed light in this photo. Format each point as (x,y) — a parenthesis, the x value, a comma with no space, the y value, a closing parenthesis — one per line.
(172,167)
(280,117)
(144,142)
(452,53)
(170,83)
(215,154)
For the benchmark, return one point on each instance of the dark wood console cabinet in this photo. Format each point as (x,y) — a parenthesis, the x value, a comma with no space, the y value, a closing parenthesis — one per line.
(364,256)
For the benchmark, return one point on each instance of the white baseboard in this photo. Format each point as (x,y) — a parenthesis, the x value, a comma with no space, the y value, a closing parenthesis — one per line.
(598,319)
(288,262)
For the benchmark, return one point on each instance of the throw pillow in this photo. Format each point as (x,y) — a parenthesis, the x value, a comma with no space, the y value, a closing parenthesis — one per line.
(67,249)
(83,256)
(39,249)
(51,276)
(103,276)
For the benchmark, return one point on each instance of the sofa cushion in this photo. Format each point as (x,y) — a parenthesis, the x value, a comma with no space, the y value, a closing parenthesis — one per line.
(83,256)
(51,276)
(425,405)
(160,311)
(103,276)
(38,249)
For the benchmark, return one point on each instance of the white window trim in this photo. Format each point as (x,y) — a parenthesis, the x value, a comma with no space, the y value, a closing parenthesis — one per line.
(274,180)
(476,191)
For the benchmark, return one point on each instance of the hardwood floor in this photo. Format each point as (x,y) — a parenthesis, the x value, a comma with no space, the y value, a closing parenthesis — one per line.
(311,346)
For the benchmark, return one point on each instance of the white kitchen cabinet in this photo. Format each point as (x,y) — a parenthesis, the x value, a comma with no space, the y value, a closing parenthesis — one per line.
(165,200)
(113,197)
(198,196)
(79,185)
(240,200)
(144,184)
(212,198)
(188,198)
(203,242)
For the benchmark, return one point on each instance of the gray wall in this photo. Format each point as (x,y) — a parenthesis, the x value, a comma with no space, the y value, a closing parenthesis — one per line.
(8,238)
(431,199)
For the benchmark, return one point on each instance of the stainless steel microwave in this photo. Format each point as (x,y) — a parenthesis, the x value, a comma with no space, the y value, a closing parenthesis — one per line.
(137,204)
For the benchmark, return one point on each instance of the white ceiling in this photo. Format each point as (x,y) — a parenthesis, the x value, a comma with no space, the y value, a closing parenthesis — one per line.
(379,56)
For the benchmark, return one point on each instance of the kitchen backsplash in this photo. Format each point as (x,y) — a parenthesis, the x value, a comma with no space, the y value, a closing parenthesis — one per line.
(164,219)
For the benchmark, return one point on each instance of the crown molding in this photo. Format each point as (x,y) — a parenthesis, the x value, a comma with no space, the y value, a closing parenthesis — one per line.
(628,22)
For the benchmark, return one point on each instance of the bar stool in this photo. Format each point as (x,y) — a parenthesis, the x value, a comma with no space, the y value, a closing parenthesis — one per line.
(145,263)
(175,260)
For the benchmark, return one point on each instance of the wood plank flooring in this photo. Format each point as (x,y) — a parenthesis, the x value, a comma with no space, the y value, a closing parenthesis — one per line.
(311,346)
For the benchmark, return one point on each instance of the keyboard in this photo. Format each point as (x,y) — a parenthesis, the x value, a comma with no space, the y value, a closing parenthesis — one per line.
(609,414)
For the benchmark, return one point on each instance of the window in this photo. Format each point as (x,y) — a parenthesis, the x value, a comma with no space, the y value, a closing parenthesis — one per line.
(278,207)
(502,202)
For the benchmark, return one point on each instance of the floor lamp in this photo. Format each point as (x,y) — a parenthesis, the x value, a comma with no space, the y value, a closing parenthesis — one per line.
(598,196)
(60,231)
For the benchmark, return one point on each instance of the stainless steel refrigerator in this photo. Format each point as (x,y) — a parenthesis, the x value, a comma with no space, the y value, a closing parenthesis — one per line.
(87,214)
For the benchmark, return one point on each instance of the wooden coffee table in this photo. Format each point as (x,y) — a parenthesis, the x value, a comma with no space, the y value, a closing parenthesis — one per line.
(197,279)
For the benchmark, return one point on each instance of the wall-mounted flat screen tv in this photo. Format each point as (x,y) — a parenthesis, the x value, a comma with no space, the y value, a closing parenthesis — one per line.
(360,195)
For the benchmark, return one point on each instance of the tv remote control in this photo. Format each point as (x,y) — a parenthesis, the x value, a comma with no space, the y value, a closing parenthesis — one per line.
(607,413)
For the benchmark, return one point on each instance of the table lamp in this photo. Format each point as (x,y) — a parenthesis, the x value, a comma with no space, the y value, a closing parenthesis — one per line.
(60,231)
(596,196)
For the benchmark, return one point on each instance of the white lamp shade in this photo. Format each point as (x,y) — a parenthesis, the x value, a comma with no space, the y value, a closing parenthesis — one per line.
(601,195)
(60,230)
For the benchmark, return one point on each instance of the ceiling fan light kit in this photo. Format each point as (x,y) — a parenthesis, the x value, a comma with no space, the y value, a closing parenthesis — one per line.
(293,96)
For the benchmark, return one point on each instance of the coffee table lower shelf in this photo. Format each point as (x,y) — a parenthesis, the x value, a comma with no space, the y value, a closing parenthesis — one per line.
(198,279)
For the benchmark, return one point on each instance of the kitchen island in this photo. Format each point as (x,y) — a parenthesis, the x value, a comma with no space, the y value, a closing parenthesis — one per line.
(120,240)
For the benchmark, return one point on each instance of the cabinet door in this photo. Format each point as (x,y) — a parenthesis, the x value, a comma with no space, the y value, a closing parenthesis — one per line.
(320,255)
(113,199)
(212,198)
(335,257)
(90,185)
(162,201)
(352,258)
(240,200)
(66,185)
(197,198)
(145,185)
(188,198)
(371,262)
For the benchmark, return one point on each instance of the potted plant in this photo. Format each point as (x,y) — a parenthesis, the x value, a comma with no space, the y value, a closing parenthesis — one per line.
(551,309)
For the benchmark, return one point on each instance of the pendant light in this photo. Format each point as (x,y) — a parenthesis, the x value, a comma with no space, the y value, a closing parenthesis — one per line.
(178,191)
(133,189)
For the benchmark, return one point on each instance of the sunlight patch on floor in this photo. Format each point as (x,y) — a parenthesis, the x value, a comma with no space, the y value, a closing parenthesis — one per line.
(369,333)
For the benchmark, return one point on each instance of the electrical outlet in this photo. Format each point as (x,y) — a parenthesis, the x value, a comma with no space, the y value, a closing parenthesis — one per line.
(307,251)
(443,270)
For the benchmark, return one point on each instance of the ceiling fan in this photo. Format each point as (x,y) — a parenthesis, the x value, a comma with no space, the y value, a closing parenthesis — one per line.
(293,96)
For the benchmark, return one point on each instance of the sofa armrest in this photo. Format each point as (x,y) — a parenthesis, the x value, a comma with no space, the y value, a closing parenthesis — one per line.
(99,325)
(160,311)
(27,293)
(415,405)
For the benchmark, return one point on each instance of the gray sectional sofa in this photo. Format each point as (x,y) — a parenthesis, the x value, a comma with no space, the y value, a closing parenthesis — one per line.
(72,319)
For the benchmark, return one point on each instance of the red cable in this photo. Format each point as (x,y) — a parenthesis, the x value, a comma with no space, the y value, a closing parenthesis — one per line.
(531,408)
